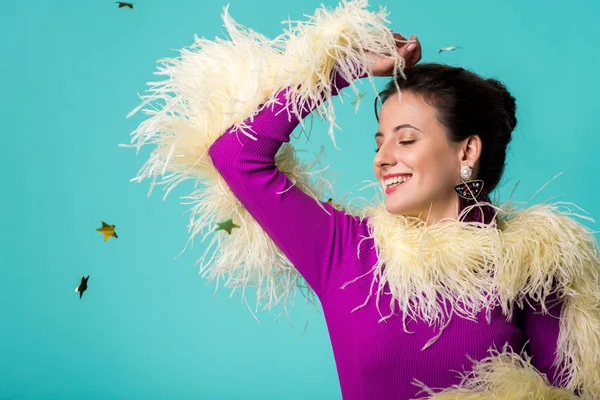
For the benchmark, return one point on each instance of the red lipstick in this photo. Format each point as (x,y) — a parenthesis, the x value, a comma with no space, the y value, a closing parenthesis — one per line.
(389,190)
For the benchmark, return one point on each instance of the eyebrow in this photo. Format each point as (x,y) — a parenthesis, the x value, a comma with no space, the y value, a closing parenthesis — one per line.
(397,128)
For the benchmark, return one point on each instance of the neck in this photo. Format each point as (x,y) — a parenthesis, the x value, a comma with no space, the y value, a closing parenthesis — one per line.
(458,208)
(440,210)
(478,210)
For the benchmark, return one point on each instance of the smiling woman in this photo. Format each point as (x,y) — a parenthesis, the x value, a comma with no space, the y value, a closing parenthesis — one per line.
(432,281)
(465,122)
(453,269)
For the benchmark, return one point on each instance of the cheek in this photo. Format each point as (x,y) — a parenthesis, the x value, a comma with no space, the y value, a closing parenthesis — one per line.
(420,158)
(434,163)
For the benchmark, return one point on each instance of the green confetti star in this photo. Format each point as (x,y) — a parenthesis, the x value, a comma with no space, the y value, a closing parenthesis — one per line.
(335,205)
(360,96)
(226,226)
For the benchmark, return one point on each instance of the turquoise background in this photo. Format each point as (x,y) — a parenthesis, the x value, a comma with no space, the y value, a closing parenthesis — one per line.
(149,327)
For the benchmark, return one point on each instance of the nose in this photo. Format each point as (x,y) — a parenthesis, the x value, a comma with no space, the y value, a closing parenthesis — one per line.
(384,158)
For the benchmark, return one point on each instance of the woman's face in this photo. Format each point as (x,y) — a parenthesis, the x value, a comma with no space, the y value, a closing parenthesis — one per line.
(413,146)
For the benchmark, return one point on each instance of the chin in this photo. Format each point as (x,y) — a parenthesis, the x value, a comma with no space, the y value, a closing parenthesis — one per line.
(404,201)
(397,208)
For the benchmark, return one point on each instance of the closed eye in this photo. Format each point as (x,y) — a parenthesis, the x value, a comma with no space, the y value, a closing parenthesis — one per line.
(407,142)
(404,142)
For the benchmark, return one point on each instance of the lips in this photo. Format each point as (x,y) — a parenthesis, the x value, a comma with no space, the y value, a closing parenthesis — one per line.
(388,179)
(389,190)
(388,176)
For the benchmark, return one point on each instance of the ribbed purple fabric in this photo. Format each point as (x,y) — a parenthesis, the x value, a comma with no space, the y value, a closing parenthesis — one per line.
(375,360)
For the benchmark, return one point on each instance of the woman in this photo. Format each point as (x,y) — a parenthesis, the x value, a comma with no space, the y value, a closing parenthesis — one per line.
(451,274)
(416,142)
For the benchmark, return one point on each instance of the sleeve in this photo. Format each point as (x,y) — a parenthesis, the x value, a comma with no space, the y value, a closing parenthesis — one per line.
(541,329)
(313,236)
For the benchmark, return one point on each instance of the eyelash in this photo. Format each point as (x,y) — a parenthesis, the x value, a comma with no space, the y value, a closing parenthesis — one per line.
(403,142)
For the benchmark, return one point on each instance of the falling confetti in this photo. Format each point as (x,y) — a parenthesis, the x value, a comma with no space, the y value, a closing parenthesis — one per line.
(82,286)
(451,48)
(360,96)
(335,205)
(226,226)
(123,4)
(107,230)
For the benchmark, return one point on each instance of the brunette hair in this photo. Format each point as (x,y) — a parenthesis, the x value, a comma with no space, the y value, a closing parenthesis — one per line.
(467,104)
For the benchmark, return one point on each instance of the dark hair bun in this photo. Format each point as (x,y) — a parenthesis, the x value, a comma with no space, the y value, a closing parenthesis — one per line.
(509,101)
(466,104)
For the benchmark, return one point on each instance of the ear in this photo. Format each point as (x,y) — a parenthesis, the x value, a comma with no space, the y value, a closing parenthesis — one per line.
(470,150)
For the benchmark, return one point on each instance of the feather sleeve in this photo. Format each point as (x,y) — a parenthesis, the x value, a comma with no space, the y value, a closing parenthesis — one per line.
(313,235)
(219,84)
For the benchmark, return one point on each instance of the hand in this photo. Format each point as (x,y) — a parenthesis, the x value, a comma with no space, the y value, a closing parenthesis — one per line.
(380,65)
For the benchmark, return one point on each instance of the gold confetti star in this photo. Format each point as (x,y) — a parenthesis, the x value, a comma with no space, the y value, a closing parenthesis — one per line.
(226,226)
(107,230)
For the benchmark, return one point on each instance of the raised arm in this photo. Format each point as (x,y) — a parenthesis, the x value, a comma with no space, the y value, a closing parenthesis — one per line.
(313,239)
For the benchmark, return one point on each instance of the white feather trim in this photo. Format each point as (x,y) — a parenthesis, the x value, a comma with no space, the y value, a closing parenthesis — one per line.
(215,85)
(435,270)
(502,375)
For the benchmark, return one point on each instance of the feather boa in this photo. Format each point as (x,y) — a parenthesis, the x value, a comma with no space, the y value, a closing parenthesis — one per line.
(502,375)
(215,85)
(463,268)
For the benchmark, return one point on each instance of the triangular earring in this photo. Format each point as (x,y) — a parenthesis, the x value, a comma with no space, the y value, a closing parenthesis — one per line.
(468,189)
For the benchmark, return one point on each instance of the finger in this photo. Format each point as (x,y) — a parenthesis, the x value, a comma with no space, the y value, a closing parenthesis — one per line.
(400,38)
(413,56)
(406,50)
(403,52)
(418,51)
(416,54)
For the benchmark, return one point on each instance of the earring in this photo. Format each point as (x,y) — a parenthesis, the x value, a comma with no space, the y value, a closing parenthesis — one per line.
(468,189)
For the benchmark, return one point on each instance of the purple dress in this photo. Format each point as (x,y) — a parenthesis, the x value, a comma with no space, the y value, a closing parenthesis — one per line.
(375,360)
